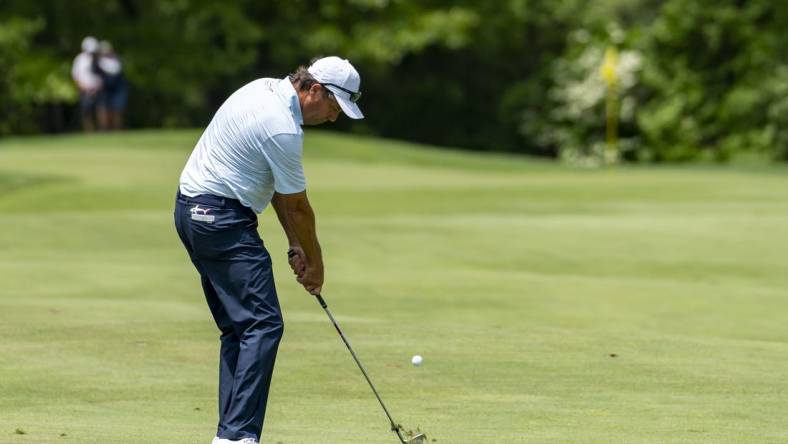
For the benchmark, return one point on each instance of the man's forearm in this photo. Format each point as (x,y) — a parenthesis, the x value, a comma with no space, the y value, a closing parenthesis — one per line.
(298,222)
(302,224)
(281,213)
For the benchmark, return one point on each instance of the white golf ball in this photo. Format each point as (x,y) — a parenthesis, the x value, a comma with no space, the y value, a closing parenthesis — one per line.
(416,360)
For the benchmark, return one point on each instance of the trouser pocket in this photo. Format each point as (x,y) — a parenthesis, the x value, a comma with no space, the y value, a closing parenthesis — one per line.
(222,233)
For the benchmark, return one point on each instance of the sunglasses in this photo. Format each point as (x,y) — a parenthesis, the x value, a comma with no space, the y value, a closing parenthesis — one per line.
(354,95)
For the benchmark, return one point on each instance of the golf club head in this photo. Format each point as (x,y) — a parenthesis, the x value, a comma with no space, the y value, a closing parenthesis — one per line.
(409,436)
(418,439)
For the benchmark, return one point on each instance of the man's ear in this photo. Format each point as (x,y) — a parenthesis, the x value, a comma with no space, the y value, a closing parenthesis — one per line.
(315,88)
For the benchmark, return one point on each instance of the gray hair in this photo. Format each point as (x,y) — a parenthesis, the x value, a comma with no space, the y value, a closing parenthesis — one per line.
(302,80)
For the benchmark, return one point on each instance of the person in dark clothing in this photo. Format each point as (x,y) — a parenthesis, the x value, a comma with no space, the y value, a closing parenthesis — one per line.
(114,92)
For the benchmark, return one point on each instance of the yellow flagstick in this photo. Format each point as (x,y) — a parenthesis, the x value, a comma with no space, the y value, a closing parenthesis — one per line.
(609,75)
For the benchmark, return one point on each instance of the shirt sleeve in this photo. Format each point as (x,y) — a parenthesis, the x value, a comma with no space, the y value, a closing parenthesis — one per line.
(76,67)
(285,159)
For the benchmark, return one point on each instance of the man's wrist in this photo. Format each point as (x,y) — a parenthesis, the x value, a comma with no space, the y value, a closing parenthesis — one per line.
(315,268)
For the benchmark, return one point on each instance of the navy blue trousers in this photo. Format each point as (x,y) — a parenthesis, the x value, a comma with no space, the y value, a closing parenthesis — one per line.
(221,238)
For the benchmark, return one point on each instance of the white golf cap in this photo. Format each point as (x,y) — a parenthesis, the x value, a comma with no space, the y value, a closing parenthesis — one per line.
(90,44)
(339,76)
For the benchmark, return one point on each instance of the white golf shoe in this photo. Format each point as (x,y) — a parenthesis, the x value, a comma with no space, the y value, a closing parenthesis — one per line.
(217,440)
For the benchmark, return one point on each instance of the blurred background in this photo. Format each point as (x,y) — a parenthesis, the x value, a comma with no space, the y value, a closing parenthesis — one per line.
(581,81)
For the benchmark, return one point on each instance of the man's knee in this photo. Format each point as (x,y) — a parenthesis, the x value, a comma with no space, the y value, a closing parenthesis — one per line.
(278,327)
(228,334)
(271,327)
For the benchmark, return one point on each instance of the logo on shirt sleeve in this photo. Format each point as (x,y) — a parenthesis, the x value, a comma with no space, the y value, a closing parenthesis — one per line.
(201,214)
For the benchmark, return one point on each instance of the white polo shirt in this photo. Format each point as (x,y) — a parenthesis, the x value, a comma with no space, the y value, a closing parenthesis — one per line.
(251,148)
(82,72)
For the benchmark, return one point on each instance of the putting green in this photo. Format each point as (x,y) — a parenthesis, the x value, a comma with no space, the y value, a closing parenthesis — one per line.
(550,304)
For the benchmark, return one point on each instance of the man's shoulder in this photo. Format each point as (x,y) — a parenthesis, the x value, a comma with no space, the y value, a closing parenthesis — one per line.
(277,122)
(272,109)
(264,88)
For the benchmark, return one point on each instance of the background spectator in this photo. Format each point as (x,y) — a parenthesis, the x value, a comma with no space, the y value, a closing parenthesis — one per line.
(88,81)
(112,97)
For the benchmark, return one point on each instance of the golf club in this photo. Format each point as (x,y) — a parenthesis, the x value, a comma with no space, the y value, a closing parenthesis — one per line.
(396,428)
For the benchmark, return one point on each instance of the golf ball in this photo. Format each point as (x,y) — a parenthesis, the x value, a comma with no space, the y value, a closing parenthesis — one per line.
(416,360)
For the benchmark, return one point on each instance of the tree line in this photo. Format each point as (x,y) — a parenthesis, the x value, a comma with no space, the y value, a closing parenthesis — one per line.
(696,79)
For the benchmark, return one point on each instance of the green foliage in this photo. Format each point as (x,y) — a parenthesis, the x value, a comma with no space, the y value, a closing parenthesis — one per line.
(190,50)
(715,80)
(705,80)
(28,78)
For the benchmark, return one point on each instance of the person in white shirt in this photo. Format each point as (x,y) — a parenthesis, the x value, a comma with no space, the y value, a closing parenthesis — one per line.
(250,155)
(88,81)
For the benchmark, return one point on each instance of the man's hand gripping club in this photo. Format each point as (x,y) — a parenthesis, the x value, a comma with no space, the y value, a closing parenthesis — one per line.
(304,255)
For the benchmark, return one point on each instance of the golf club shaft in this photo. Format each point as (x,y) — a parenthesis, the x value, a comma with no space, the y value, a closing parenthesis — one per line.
(394,426)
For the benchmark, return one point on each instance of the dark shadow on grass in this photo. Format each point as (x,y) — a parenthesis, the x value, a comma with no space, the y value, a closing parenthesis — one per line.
(11,183)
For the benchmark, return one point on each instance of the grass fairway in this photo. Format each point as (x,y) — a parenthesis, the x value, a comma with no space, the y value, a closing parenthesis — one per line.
(551,305)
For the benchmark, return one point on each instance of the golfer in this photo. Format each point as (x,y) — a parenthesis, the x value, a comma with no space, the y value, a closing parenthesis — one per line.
(250,155)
